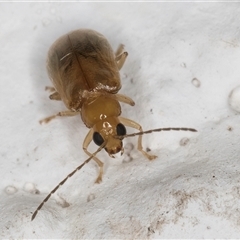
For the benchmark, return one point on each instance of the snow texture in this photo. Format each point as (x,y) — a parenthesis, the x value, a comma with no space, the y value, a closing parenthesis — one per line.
(183,63)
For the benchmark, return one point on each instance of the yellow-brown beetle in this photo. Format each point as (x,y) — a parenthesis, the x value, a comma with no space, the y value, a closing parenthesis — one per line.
(84,71)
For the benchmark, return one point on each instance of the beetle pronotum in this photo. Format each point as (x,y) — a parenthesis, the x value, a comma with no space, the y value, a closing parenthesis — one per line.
(84,71)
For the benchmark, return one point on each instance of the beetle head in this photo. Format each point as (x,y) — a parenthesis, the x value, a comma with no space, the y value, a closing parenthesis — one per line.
(105,131)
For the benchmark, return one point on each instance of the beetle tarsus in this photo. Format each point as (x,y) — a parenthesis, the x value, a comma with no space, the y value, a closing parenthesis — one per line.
(50,89)
(55,96)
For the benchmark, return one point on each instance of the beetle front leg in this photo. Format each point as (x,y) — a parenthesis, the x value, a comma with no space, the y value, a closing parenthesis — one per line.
(86,143)
(132,124)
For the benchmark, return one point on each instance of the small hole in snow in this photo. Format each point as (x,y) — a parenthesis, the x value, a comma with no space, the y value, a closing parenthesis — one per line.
(184,141)
(128,148)
(196,82)
(30,187)
(62,202)
(127,152)
(148,149)
(91,197)
(10,190)
(234,99)
(127,158)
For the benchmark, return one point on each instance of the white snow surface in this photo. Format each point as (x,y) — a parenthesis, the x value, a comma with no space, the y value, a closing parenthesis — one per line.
(183,63)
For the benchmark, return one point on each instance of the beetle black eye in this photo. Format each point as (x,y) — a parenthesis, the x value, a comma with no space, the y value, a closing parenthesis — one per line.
(98,139)
(121,130)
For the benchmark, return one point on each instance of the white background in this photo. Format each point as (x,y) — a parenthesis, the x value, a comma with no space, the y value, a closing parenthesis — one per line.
(188,191)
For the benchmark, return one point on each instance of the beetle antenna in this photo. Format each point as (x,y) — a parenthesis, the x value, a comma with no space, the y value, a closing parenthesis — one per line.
(65,179)
(157,130)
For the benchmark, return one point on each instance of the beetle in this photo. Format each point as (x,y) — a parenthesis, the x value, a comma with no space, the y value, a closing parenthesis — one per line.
(84,71)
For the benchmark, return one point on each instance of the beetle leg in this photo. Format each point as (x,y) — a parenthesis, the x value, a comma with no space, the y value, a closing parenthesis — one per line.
(60,114)
(119,50)
(132,124)
(120,56)
(55,96)
(124,99)
(50,89)
(86,143)
(120,59)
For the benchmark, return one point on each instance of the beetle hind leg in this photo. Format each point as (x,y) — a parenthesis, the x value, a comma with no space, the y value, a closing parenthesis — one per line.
(50,89)
(120,56)
(119,50)
(60,114)
(121,59)
(55,96)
